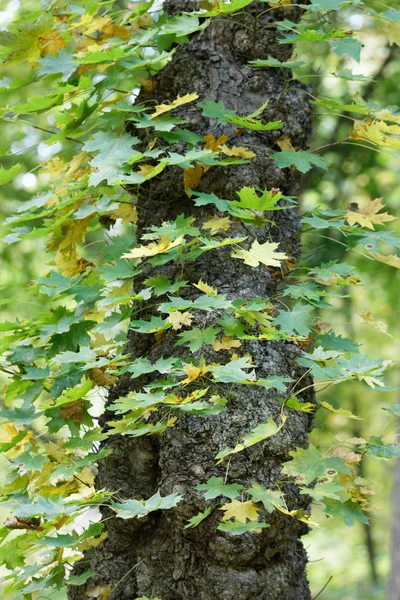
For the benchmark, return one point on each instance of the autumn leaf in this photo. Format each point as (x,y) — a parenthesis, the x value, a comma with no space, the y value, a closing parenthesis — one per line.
(214,144)
(241,511)
(207,289)
(376,132)
(179,101)
(216,224)
(126,212)
(100,377)
(192,178)
(368,216)
(178,319)
(388,259)
(379,325)
(237,151)
(154,248)
(226,343)
(194,372)
(261,253)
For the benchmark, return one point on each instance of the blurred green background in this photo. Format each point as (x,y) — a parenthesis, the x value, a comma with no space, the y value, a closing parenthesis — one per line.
(351,563)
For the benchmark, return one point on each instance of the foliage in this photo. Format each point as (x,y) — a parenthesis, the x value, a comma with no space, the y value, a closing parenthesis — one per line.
(90,58)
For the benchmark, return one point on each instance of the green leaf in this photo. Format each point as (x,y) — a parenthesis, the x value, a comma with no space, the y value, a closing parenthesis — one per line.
(133,508)
(269,498)
(306,465)
(238,528)
(84,355)
(215,110)
(323,490)
(6,175)
(197,519)
(303,160)
(162,285)
(216,487)
(348,45)
(197,337)
(256,435)
(38,104)
(394,409)
(298,319)
(233,371)
(203,199)
(63,64)
(376,447)
(274,62)
(349,511)
(80,579)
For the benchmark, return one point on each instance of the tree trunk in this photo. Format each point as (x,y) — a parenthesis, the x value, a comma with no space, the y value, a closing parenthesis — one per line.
(155,556)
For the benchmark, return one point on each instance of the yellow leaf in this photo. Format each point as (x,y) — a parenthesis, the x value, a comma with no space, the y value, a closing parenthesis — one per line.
(349,457)
(154,248)
(217,223)
(379,325)
(204,287)
(89,23)
(102,378)
(7,433)
(192,178)
(261,253)
(340,411)
(178,318)
(226,343)
(92,543)
(284,143)
(145,169)
(389,259)
(148,84)
(214,144)
(368,216)
(392,30)
(126,212)
(238,151)
(194,372)
(163,108)
(111,30)
(100,592)
(376,132)
(241,511)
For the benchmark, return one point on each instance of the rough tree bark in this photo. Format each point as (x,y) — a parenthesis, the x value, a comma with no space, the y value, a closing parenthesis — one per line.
(154,556)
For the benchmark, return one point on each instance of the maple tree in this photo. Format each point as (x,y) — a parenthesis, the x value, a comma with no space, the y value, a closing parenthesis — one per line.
(185,316)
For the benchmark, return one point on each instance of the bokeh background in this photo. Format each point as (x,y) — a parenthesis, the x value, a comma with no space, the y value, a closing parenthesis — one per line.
(345,563)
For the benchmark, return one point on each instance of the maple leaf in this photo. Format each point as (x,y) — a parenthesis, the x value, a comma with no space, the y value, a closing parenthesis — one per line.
(207,289)
(261,253)
(192,178)
(154,248)
(214,144)
(126,212)
(226,343)
(368,216)
(194,372)
(237,151)
(379,325)
(178,318)
(241,511)
(389,259)
(163,108)
(377,132)
(216,224)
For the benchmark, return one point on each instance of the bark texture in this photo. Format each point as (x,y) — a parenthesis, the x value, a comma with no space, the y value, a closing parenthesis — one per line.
(154,556)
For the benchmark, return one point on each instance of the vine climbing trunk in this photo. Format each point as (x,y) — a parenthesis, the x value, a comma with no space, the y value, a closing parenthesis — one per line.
(156,556)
